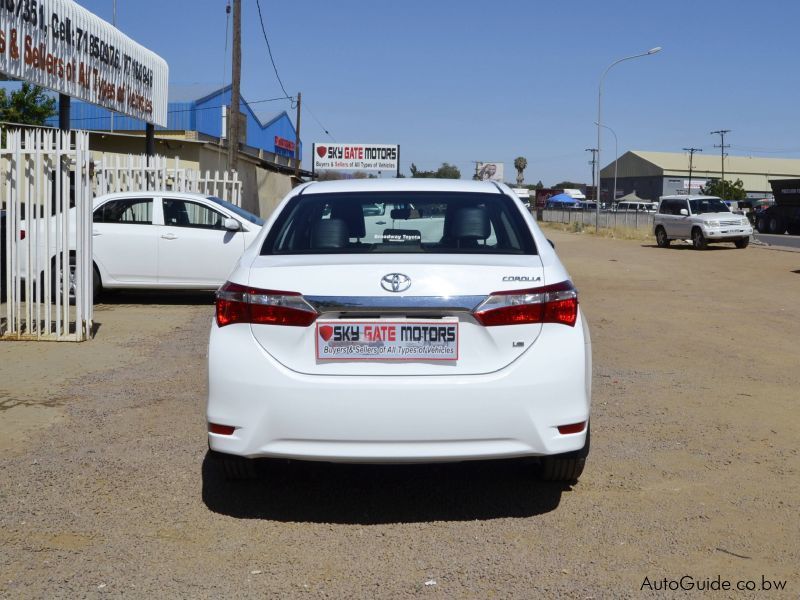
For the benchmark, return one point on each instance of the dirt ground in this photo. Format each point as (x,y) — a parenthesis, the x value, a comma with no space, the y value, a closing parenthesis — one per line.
(105,488)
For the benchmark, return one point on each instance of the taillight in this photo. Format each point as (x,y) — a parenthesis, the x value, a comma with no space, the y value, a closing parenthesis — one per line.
(557,303)
(244,304)
(22,234)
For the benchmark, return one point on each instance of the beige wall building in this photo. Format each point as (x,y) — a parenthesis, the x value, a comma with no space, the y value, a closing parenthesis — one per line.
(655,174)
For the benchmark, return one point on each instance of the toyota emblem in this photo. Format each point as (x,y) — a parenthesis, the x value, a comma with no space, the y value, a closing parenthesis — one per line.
(395,282)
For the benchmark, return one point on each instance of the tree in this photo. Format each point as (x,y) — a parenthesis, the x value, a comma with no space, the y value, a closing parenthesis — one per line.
(446,171)
(567,185)
(726,190)
(28,106)
(539,185)
(520,164)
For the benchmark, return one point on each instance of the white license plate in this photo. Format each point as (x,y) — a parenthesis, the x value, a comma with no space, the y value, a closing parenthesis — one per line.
(387,340)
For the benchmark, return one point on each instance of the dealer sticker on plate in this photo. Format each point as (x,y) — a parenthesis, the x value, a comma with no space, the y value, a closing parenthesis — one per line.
(387,340)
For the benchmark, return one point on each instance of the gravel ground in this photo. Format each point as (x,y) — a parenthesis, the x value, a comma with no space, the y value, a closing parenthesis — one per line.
(105,489)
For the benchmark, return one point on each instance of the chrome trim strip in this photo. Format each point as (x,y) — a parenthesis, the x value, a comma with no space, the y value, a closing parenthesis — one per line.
(325,304)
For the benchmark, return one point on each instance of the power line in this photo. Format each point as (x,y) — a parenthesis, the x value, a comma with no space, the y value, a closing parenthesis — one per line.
(269,48)
(765,151)
(313,116)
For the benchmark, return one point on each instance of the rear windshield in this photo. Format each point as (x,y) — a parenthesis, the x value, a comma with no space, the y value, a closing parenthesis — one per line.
(407,222)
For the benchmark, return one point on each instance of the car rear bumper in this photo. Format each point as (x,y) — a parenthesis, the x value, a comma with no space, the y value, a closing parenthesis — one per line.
(514,412)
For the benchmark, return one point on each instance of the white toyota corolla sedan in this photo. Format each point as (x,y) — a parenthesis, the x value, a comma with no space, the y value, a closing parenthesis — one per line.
(396,321)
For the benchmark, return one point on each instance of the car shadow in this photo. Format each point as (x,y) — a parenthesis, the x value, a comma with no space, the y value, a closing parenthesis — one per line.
(294,491)
(156,297)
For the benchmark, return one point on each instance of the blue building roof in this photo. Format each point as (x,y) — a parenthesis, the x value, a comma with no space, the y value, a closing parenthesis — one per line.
(195,108)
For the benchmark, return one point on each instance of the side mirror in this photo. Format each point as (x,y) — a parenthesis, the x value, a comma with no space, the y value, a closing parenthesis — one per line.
(684,212)
(231,224)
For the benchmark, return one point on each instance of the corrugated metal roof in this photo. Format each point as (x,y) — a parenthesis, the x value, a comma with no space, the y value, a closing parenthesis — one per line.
(673,163)
(755,172)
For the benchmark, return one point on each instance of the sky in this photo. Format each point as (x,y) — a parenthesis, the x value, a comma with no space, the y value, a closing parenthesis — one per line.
(462,81)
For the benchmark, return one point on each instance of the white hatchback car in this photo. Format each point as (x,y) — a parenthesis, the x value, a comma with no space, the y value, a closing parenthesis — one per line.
(404,320)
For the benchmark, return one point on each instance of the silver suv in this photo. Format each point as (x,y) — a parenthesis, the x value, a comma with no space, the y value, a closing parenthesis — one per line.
(701,219)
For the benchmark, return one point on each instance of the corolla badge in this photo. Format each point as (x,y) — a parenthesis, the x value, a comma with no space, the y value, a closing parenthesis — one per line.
(395,282)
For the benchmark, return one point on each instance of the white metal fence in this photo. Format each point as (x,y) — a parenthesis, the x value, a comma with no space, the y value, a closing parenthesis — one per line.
(115,173)
(608,219)
(47,250)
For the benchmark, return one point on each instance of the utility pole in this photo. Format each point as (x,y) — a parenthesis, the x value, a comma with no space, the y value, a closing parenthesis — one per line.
(722,146)
(114,23)
(691,152)
(593,162)
(297,141)
(236,76)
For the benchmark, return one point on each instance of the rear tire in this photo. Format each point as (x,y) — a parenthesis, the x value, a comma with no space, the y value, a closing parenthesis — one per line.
(56,283)
(775,225)
(661,237)
(566,467)
(742,243)
(698,239)
(97,285)
(761,225)
(235,468)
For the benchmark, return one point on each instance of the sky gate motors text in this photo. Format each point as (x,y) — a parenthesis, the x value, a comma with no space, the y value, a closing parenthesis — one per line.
(389,333)
(362,153)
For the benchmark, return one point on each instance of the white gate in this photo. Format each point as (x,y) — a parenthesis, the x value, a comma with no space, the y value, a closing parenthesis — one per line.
(47,252)
(115,173)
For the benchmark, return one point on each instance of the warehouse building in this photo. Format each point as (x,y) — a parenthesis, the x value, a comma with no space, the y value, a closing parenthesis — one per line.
(655,174)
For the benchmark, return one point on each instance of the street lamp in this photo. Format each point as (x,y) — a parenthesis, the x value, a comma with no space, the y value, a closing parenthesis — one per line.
(600,120)
(616,157)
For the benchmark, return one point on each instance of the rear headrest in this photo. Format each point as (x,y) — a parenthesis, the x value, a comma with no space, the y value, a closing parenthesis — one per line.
(471,223)
(352,214)
(329,234)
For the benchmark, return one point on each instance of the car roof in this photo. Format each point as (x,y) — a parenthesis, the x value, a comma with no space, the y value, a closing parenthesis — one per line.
(692,197)
(403,184)
(152,194)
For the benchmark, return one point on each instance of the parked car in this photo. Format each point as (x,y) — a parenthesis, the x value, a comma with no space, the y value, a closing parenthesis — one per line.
(446,329)
(649,207)
(703,219)
(165,240)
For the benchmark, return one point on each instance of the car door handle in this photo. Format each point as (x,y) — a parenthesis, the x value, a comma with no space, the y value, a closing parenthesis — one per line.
(169,236)
(95,233)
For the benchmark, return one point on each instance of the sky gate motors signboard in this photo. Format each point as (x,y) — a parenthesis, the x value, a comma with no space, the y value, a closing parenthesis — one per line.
(59,45)
(365,157)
